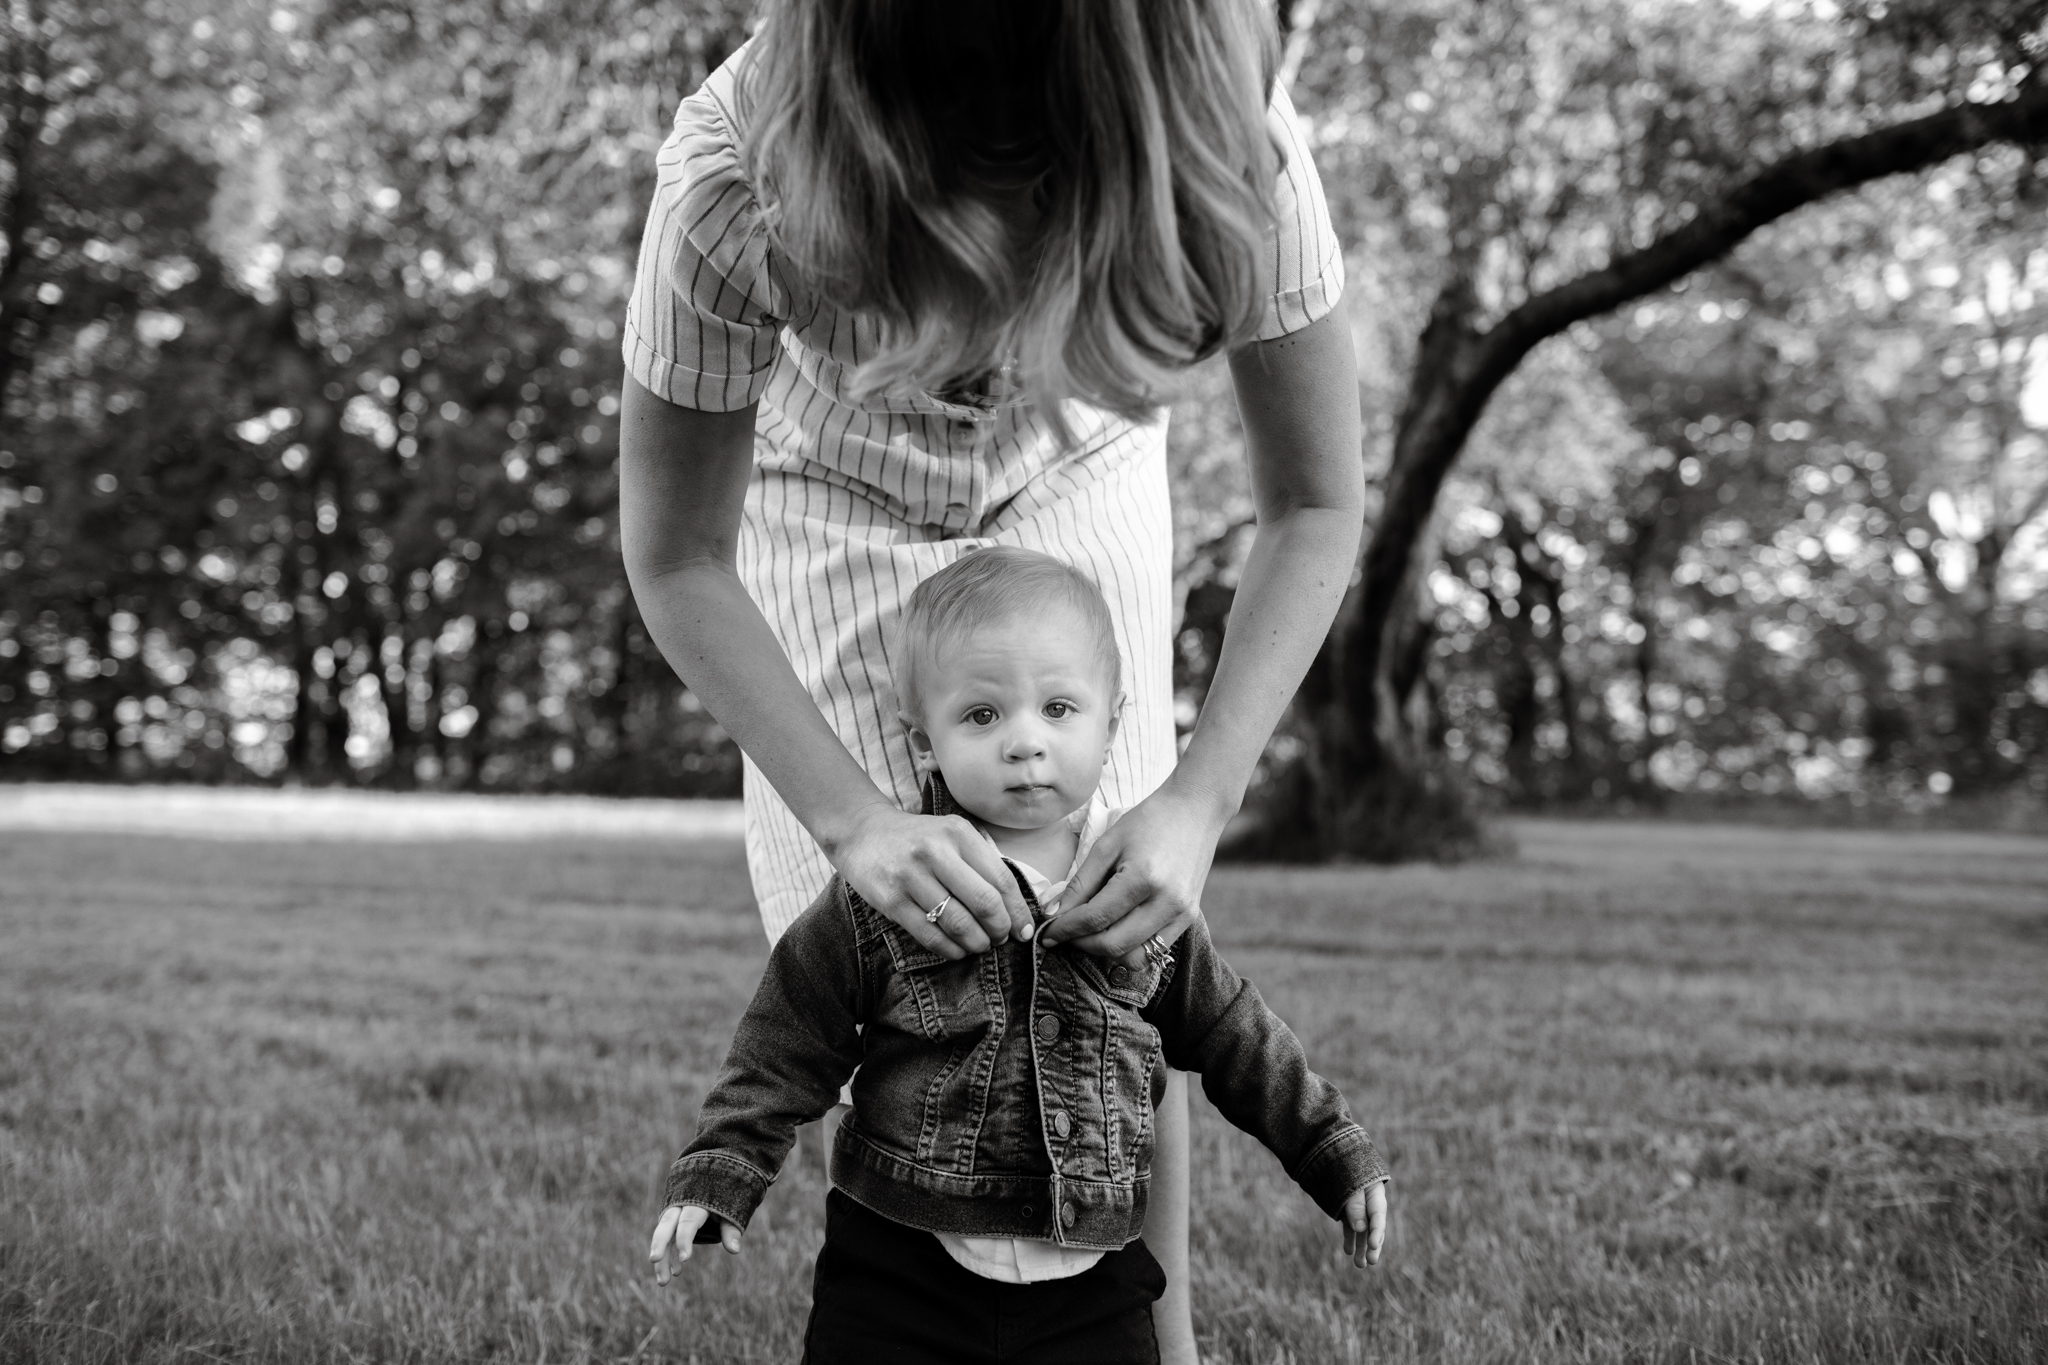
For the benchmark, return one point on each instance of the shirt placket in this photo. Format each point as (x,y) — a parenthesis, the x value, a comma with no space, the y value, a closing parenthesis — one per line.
(977,427)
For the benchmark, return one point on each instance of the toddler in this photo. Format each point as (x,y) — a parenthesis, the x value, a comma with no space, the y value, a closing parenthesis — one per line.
(990,1183)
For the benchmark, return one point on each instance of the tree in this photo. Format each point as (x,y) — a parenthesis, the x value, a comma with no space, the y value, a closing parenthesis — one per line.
(1544,164)
(340,284)
(1818,568)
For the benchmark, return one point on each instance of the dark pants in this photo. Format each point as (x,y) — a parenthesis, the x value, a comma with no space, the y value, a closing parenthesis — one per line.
(888,1293)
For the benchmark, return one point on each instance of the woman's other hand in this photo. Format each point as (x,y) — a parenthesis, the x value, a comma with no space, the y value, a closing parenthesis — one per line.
(906,865)
(1144,877)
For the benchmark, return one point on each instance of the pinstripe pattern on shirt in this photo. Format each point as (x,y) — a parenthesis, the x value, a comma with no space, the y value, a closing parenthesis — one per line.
(852,502)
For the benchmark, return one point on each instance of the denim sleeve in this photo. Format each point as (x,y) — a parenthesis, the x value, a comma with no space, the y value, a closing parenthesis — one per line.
(1213,1021)
(794,1048)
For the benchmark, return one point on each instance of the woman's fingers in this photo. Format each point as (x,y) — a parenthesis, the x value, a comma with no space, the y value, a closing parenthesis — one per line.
(955,925)
(929,933)
(1001,910)
(1095,869)
(909,865)
(1117,897)
(1131,910)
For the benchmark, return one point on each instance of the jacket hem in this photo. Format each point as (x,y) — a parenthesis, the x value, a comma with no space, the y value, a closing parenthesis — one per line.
(1106,1216)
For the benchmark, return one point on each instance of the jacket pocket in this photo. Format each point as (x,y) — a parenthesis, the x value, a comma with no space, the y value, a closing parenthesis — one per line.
(936,997)
(1133,989)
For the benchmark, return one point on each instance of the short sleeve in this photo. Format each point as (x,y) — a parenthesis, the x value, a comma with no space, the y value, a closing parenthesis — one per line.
(1307,263)
(706,312)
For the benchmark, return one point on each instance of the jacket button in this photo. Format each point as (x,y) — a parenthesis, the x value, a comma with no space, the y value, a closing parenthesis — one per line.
(1061,1124)
(1118,975)
(1047,1028)
(1067,1214)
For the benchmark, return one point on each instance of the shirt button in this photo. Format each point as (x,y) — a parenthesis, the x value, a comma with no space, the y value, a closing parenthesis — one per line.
(1062,1125)
(1047,1028)
(1067,1214)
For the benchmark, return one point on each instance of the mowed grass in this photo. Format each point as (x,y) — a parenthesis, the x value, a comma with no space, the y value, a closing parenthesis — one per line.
(1650,1093)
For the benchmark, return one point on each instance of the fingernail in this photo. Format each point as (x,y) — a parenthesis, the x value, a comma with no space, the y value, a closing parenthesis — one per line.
(1025,933)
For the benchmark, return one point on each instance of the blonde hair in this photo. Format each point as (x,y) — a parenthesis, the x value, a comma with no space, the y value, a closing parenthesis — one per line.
(987,586)
(1153,206)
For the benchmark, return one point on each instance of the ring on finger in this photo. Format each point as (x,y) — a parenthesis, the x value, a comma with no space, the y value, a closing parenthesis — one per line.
(1156,951)
(931,916)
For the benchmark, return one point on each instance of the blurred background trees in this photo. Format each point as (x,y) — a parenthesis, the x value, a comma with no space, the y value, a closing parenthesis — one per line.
(308,383)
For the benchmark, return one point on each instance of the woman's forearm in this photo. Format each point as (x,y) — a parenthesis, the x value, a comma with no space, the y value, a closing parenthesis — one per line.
(1299,567)
(714,636)
(682,491)
(1298,397)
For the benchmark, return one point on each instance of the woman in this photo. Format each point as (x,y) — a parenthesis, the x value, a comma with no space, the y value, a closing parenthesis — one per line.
(917,277)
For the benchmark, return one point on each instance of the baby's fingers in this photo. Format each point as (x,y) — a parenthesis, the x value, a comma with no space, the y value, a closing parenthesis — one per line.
(678,1229)
(729,1237)
(1376,1215)
(1365,1225)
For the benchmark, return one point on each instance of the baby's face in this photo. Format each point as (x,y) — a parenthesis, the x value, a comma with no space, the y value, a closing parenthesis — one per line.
(1018,716)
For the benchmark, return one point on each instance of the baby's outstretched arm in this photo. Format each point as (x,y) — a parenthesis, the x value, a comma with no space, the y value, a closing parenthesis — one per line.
(1365,1225)
(678,1229)
(795,1046)
(1213,1022)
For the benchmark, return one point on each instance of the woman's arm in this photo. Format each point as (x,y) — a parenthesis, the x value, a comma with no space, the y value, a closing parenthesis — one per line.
(1298,396)
(682,488)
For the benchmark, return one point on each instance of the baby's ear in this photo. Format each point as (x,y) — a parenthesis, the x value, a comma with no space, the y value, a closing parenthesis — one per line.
(1116,715)
(920,745)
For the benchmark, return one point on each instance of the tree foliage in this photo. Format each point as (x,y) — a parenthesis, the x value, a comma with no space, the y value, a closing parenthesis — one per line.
(308,386)
(310,316)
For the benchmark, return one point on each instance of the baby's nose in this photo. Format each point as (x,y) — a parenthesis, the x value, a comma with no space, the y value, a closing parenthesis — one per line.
(1024,743)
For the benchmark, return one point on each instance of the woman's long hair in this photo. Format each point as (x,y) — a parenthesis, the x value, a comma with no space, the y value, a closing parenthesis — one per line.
(1145,154)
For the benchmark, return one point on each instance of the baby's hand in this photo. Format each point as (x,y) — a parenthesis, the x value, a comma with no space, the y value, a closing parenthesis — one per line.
(1365,1224)
(678,1228)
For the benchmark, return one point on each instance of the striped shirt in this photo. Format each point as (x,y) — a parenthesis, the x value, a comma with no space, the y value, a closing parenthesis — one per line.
(853,501)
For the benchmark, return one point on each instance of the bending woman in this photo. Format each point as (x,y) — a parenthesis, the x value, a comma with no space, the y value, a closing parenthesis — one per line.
(917,278)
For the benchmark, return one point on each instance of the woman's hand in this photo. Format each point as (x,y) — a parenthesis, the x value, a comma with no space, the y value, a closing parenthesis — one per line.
(906,865)
(1144,877)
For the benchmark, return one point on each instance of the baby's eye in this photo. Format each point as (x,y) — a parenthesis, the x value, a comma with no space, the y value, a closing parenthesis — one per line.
(1059,710)
(982,715)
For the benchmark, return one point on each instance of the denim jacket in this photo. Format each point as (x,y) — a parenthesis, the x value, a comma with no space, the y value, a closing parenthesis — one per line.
(1009,1094)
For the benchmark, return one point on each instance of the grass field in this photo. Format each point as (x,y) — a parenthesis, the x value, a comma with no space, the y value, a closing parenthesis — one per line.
(1650,1093)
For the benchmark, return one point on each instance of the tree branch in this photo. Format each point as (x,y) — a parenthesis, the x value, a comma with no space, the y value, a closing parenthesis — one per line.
(1767,196)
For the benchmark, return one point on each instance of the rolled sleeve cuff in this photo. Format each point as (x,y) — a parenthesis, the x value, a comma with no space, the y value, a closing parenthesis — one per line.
(674,382)
(1346,1162)
(726,1185)
(1291,310)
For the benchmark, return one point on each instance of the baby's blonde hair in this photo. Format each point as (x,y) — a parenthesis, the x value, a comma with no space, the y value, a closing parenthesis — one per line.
(987,586)
(1154,203)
